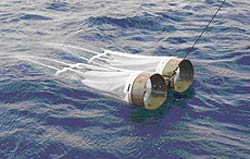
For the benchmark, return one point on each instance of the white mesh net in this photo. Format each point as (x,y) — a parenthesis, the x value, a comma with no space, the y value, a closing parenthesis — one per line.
(109,72)
(104,81)
(115,60)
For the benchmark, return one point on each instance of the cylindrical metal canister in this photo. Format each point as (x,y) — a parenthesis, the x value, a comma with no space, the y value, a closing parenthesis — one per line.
(147,91)
(183,76)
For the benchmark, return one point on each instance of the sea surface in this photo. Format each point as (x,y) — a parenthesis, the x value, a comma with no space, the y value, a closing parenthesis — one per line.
(43,117)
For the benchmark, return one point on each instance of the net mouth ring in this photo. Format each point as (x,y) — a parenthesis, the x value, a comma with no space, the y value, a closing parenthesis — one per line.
(149,91)
(184,76)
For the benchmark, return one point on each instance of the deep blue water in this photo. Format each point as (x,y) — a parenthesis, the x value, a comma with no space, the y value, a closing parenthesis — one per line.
(43,117)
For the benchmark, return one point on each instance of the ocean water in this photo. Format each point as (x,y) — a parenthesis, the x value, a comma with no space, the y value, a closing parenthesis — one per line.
(42,116)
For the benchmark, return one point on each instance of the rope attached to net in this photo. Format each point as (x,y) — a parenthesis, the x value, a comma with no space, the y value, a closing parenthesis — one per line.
(201,34)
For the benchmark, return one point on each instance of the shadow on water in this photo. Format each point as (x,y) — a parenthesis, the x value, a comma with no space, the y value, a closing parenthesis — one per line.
(173,100)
